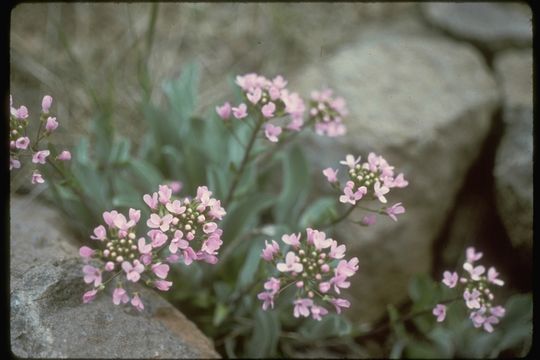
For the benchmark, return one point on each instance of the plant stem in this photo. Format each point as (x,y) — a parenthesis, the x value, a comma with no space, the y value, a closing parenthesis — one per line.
(403,319)
(340,218)
(245,160)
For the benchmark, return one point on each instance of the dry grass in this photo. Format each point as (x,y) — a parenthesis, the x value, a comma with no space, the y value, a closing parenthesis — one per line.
(89,55)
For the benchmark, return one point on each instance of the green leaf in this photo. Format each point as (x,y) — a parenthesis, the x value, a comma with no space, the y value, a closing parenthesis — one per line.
(244,214)
(266,331)
(120,152)
(182,95)
(329,326)
(145,174)
(421,350)
(295,188)
(317,213)
(220,313)
(251,263)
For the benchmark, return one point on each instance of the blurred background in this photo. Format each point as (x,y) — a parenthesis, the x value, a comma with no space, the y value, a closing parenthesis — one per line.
(462,72)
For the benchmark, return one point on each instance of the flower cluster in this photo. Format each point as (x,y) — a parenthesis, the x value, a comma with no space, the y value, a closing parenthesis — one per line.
(19,140)
(371,180)
(175,227)
(327,113)
(476,292)
(272,100)
(315,266)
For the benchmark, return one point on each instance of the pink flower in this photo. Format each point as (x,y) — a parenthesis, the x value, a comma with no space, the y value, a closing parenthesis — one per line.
(120,296)
(475,272)
(369,219)
(134,215)
(224,111)
(270,250)
(272,285)
(133,272)
(40,157)
(161,270)
(380,191)
(394,210)
(151,201)
(347,268)
(216,211)
(295,124)
(492,277)
(99,233)
(279,82)
(331,175)
(89,296)
(51,124)
(14,163)
(292,239)
(204,195)
(20,113)
(352,197)
(498,311)
(272,132)
(340,281)
(290,264)
(46,104)
(301,307)
(64,156)
(340,303)
(109,217)
(91,275)
(86,252)
(137,303)
(22,143)
(488,323)
(109,266)
(189,255)
(37,178)
(176,186)
(209,227)
(337,252)
(471,298)
(318,238)
(267,298)
(400,181)
(350,161)
(240,112)
(255,95)
(473,256)
(440,312)
(176,207)
(450,279)
(164,193)
(317,312)
(158,238)
(143,247)
(268,110)
(163,285)
(162,223)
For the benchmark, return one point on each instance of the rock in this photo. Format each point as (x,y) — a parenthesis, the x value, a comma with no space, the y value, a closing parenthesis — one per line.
(514,75)
(425,104)
(514,176)
(491,26)
(513,165)
(48,318)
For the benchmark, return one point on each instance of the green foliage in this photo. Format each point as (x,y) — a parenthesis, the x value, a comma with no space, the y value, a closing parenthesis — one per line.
(456,336)
(109,171)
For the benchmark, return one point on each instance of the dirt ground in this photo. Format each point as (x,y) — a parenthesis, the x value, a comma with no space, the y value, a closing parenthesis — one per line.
(89,54)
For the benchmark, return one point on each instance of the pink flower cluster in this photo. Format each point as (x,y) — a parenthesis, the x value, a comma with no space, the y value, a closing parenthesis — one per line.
(315,266)
(184,229)
(372,179)
(477,294)
(272,100)
(19,140)
(327,113)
